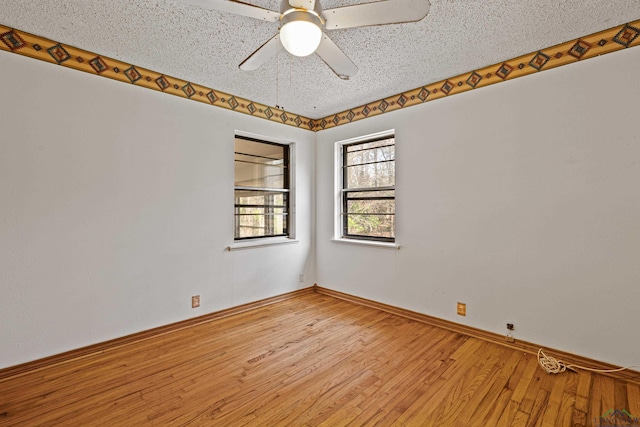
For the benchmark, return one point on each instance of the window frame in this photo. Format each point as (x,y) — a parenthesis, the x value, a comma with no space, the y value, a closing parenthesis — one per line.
(342,193)
(288,234)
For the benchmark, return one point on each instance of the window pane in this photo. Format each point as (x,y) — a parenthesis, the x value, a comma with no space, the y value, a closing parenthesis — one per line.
(379,226)
(260,213)
(381,154)
(369,145)
(371,175)
(256,225)
(260,165)
(261,198)
(371,206)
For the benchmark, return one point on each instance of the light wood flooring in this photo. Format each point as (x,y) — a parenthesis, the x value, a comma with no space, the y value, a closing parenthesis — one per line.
(312,360)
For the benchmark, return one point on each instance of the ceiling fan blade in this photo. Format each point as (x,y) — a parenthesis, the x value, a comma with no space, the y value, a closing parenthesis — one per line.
(237,7)
(377,13)
(262,54)
(335,58)
(303,4)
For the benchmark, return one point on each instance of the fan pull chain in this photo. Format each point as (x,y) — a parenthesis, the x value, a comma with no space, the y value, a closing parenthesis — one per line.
(278,80)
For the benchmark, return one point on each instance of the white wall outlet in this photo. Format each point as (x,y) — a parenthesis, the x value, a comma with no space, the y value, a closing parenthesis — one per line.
(510,329)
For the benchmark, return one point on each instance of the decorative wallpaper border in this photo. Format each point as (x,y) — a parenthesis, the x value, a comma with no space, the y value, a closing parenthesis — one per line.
(607,41)
(26,44)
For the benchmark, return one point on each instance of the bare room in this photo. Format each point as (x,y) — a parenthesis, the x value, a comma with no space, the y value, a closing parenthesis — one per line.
(413,212)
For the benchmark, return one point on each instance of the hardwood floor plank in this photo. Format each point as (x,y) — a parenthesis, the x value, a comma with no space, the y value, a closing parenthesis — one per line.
(583,391)
(304,366)
(520,420)
(403,381)
(497,398)
(494,412)
(532,394)
(602,396)
(508,415)
(392,336)
(539,404)
(621,396)
(310,360)
(523,383)
(428,397)
(565,412)
(633,397)
(486,398)
(556,392)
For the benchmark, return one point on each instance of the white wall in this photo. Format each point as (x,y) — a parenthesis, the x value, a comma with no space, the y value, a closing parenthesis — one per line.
(521,200)
(116,206)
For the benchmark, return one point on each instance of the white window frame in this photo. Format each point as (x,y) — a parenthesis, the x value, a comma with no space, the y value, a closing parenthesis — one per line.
(338,192)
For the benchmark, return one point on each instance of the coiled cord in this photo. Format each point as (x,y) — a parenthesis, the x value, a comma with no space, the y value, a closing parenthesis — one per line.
(551,365)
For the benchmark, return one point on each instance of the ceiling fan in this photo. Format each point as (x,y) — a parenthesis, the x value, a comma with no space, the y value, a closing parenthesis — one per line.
(302,23)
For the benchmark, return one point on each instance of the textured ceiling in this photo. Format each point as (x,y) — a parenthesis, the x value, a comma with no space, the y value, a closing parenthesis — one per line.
(205,46)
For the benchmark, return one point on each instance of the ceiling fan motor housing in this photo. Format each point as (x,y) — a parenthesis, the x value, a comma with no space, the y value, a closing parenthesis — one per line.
(286,8)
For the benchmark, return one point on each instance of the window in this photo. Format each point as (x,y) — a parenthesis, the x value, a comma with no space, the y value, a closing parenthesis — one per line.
(261,189)
(368,203)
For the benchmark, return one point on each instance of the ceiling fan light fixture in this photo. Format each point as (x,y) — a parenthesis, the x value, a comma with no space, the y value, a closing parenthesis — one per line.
(300,33)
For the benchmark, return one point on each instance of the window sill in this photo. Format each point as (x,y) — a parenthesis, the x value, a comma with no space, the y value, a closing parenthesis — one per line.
(384,245)
(248,244)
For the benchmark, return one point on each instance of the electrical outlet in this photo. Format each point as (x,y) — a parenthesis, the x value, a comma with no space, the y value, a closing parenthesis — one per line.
(462,309)
(195,301)
(301,278)
(510,329)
